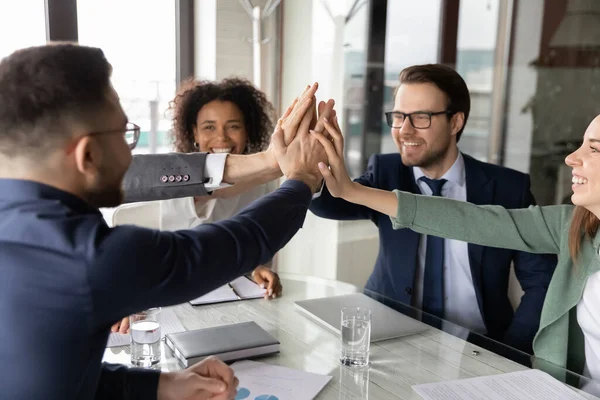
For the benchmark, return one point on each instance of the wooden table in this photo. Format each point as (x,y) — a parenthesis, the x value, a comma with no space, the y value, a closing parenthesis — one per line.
(396,365)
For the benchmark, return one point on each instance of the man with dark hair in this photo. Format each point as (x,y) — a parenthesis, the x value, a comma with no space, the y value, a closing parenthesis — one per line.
(463,283)
(65,146)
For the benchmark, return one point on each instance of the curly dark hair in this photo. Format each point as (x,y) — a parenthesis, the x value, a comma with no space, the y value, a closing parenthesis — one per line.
(193,95)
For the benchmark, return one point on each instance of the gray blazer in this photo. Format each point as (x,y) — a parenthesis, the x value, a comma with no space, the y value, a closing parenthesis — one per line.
(165,176)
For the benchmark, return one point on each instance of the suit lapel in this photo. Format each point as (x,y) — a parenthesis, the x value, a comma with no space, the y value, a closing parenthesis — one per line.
(480,190)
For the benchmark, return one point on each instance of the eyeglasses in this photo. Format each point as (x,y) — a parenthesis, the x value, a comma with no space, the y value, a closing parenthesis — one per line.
(418,119)
(131,133)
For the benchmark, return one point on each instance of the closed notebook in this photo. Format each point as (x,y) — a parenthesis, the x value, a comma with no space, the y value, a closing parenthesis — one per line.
(241,289)
(228,343)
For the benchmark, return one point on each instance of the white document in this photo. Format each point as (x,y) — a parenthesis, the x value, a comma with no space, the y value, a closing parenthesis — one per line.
(169,323)
(244,287)
(523,385)
(271,382)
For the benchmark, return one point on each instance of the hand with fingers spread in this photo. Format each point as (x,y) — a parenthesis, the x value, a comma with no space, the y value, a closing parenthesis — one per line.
(336,176)
(290,121)
(324,110)
(209,379)
(299,159)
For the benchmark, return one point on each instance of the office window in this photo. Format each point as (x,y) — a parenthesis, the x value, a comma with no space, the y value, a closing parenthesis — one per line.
(22,24)
(475,49)
(138,39)
(412,38)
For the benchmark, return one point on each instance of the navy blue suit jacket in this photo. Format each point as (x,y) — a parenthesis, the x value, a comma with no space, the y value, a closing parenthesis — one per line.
(394,272)
(67,277)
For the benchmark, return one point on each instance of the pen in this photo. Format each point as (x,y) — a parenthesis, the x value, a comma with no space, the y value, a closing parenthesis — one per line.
(234,292)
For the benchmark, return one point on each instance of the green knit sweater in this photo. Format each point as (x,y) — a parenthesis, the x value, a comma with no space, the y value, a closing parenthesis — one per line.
(559,339)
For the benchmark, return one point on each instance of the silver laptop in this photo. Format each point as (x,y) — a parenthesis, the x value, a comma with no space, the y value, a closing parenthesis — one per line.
(386,323)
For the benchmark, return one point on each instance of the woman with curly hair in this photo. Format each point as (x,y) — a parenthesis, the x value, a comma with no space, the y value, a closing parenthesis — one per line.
(229,116)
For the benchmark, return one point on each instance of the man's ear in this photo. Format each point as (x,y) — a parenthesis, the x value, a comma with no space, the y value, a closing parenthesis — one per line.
(457,121)
(86,154)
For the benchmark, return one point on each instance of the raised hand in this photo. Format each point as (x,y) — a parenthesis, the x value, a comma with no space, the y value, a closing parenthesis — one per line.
(336,176)
(299,159)
(294,114)
(290,120)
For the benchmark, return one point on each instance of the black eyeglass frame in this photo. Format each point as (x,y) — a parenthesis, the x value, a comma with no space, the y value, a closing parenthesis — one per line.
(129,127)
(390,114)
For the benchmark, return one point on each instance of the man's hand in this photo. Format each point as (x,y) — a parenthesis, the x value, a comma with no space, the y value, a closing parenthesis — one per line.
(325,110)
(267,279)
(208,379)
(291,119)
(336,176)
(299,160)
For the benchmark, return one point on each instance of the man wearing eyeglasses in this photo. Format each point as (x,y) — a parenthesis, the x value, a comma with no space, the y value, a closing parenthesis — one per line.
(463,283)
(65,146)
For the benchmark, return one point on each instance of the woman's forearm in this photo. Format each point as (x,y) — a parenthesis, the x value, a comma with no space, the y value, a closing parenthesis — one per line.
(379,200)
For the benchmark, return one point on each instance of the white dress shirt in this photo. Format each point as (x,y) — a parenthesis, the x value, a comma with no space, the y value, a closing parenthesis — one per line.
(214,167)
(184,213)
(460,301)
(589,322)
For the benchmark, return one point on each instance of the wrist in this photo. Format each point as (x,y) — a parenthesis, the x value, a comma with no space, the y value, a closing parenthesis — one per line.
(313,182)
(271,161)
(352,193)
(164,382)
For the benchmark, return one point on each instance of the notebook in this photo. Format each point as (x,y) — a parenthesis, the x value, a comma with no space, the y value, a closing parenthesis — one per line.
(227,342)
(242,288)
(386,323)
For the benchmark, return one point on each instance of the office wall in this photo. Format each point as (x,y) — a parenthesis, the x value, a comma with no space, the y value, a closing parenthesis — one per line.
(223,44)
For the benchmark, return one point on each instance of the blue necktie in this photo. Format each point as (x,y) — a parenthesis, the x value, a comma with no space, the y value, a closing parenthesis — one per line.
(433,277)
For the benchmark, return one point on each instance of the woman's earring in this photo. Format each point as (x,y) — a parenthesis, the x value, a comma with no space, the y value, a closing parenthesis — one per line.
(196,145)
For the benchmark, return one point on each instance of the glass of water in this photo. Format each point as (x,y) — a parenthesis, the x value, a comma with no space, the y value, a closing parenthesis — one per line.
(356,336)
(145,338)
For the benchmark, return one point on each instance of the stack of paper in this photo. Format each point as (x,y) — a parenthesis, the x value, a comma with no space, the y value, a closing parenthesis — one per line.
(523,385)
(269,382)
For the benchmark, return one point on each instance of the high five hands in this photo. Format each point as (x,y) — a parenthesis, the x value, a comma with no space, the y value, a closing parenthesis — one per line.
(298,139)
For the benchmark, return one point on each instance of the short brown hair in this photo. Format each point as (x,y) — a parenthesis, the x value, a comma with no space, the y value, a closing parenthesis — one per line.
(448,81)
(42,88)
(193,95)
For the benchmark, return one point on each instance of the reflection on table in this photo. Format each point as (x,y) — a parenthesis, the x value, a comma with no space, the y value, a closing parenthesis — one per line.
(435,355)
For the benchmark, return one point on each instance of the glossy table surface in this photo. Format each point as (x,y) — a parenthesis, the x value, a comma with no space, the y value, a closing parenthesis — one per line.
(396,364)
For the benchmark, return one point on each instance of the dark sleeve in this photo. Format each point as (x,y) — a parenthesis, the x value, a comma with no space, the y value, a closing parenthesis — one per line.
(534,272)
(136,268)
(327,206)
(120,382)
(164,176)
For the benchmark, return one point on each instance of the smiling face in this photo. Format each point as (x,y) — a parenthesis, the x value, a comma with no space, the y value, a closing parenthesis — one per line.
(585,162)
(220,128)
(432,148)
